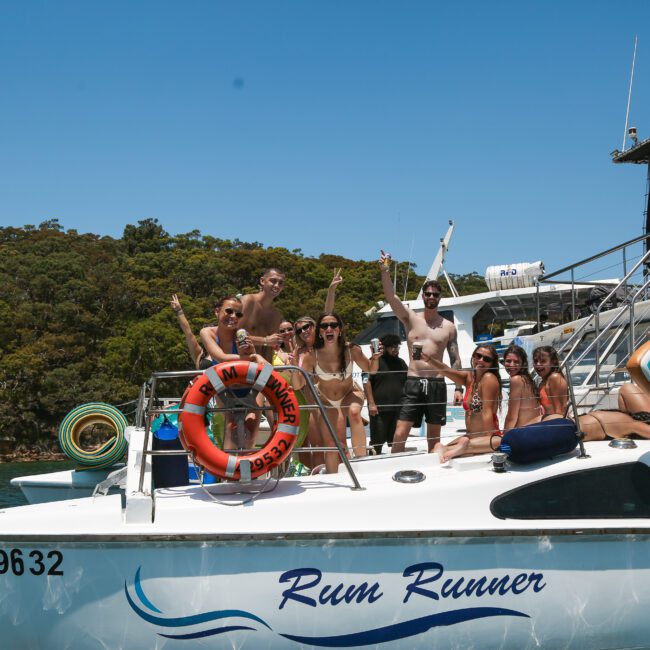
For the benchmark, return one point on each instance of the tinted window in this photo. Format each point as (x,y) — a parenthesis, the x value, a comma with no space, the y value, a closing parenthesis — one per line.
(381,327)
(615,492)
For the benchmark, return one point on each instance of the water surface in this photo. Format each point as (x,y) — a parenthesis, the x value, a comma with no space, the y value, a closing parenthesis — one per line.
(12,496)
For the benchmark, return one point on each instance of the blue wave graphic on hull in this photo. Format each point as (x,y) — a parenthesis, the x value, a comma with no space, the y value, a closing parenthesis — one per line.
(404,630)
(375,636)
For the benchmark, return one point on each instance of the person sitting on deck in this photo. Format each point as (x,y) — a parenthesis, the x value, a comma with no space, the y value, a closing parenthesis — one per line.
(553,389)
(523,397)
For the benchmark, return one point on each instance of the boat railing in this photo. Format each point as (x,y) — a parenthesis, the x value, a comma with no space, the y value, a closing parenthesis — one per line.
(150,406)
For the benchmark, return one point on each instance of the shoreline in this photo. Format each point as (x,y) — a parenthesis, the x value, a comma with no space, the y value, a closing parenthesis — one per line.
(32,456)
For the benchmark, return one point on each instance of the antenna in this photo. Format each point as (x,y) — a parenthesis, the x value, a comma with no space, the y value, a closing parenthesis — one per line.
(629,94)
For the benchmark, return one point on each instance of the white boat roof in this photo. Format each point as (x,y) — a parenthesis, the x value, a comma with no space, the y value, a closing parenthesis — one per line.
(453,500)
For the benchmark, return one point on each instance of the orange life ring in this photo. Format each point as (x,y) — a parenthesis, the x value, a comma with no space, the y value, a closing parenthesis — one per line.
(216,380)
(638,366)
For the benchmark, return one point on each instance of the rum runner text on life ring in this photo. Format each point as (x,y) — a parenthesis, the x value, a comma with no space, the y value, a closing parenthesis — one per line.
(217,380)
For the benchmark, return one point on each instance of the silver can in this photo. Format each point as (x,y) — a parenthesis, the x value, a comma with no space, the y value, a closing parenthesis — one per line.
(374,345)
(241,335)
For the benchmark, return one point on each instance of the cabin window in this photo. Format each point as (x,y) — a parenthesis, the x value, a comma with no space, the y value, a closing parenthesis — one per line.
(381,327)
(613,492)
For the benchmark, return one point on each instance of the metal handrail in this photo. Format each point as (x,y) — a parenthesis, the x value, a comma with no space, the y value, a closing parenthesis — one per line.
(192,373)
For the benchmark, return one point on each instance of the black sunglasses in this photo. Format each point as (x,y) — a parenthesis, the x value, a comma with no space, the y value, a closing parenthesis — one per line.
(304,328)
(431,294)
(324,326)
(286,330)
(485,357)
(230,311)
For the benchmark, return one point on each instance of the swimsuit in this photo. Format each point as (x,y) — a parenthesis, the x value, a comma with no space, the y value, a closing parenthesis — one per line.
(324,376)
(544,399)
(475,405)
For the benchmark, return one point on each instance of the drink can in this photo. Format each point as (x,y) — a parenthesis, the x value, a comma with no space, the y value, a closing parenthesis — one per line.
(242,335)
(417,350)
(387,259)
(374,345)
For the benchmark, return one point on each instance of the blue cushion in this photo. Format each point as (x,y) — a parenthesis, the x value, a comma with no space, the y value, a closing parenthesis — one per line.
(539,441)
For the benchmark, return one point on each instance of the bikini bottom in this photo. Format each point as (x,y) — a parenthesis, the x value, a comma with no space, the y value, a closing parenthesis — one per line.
(639,416)
(328,401)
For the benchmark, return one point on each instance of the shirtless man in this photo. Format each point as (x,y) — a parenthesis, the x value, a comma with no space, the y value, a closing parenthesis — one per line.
(425,392)
(261,319)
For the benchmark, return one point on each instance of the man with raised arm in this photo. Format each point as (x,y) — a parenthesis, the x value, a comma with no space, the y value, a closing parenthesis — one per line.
(425,393)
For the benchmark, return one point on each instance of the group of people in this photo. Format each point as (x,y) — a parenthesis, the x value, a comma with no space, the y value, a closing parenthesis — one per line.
(399,395)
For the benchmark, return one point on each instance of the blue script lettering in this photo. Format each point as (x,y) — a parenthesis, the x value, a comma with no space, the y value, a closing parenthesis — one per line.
(457,587)
(308,578)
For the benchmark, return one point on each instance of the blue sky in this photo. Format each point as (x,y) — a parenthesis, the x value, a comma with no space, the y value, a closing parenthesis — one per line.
(331,126)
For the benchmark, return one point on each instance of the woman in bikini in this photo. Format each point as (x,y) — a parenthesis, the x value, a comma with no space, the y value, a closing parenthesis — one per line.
(523,398)
(554,389)
(221,345)
(481,403)
(331,362)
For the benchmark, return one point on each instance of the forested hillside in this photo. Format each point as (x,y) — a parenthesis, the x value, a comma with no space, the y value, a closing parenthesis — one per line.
(87,318)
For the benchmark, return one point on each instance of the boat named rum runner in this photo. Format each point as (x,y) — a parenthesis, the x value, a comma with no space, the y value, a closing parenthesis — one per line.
(392,551)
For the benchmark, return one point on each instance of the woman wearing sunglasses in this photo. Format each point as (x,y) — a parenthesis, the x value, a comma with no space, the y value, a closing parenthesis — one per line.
(481,403)
(221,345)
(523,397)
(331,362)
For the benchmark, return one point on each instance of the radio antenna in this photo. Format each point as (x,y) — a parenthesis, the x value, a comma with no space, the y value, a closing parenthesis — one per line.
(629,95)
(408,268)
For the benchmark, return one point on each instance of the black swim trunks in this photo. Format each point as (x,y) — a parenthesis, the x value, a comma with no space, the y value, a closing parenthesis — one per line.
(424,397)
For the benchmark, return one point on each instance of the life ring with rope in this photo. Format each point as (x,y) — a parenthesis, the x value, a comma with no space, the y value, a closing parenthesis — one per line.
(216,381)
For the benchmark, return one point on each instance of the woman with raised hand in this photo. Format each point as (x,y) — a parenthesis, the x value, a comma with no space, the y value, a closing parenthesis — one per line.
(553,389)
(523,398)
(331,363)
(482,401)
(195,351)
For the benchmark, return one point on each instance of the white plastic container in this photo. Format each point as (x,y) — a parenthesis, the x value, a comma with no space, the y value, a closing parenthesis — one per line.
(513,276)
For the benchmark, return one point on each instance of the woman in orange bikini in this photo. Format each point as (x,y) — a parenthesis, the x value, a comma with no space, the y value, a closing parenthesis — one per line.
(523,397)
(481,403)
(331,361)
(554,389)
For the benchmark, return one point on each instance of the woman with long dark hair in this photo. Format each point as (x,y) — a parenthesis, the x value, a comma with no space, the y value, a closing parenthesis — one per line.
(331,362)
(481,403)
(553,389)
(523,398)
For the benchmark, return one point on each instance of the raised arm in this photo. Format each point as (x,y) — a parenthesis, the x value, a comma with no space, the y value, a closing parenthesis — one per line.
(389,291)
(331,292)
(193,347)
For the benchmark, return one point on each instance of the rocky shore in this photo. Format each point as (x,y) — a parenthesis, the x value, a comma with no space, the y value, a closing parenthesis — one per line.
(10,452)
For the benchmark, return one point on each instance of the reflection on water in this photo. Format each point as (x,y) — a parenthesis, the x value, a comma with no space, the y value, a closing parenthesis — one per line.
(12,496)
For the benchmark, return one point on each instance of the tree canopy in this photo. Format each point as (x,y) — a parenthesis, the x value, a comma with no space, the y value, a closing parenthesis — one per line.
(87,318)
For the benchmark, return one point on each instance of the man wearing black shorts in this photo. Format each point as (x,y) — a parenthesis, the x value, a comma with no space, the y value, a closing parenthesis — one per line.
(424,392)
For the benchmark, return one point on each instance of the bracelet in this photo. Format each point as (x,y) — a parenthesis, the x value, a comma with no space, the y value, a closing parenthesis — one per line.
(178,312)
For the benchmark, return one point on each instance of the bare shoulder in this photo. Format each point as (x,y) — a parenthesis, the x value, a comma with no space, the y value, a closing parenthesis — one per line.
(517,384)
(489,381)
(556,380)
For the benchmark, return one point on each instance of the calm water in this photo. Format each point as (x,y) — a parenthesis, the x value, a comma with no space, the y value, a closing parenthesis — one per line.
(11,496)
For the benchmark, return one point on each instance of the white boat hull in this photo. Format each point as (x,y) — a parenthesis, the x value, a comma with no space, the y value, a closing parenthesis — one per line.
(519,591)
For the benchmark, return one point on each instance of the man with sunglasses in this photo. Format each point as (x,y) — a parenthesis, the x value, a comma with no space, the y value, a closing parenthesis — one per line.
(425,392)
(261,318)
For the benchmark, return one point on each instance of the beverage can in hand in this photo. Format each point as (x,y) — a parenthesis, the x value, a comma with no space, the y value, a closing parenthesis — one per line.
(374,345)
(417,350)
(241,335)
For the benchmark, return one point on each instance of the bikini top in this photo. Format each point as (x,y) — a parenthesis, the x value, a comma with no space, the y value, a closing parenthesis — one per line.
(475,405)
(544,399)
(331,376)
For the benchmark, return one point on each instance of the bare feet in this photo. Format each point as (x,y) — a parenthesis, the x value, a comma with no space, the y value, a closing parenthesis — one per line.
(455,448)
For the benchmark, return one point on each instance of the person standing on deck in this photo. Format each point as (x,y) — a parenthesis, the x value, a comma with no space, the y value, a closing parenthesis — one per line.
(425,392)
(261,318)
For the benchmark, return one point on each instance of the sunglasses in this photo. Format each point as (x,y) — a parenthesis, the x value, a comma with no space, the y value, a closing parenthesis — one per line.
(431,294)
(324,326)
(230,311)
(304,328)
(286,330)
(484,357)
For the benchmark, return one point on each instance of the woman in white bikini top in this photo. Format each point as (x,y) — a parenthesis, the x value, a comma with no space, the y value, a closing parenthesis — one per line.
(331,363)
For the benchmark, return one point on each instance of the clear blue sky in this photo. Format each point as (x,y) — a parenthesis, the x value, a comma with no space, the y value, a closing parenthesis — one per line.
(335,126)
